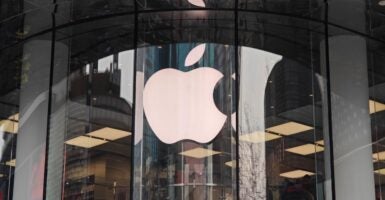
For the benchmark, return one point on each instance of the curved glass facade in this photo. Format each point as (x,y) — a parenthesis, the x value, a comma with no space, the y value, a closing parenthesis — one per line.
(192,99)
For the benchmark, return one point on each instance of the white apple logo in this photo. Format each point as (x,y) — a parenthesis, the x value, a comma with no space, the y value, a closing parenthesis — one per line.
(199,3)
(180,105)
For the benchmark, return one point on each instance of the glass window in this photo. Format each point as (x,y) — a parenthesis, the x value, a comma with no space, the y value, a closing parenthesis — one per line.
(89,155)
(192,99)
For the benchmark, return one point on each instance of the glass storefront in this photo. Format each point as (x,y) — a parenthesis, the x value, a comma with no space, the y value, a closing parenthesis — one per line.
(192,100)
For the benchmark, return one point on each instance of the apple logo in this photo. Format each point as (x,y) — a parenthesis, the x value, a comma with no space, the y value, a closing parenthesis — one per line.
(180,105)
(199,3)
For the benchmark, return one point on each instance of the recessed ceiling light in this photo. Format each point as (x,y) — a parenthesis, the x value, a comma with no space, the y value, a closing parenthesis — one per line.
(296,174)
(11,163)
(375,106)
(9,126)
(305,149)
(258,137)
(85,142)
(379,156)
(380,171)
(231,163)
(381,3)
(109,133)
(289,128)
(199,153)
(14,117)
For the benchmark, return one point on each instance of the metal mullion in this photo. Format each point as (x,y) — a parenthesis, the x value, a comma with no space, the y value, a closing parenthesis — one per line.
(237,89)
(328,90)
(49,103)
(135,45)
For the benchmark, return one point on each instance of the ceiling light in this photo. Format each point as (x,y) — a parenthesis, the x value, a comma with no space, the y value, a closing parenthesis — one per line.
(109,133)
(14,117)
(381,3)
(258,137)
(375,106)
(320,142)
(305,149)
(380,171)
(199,153)
(379,156)
(11,163)
(9,126)
(296,174)
(289,128)
(231,163)
(85,142)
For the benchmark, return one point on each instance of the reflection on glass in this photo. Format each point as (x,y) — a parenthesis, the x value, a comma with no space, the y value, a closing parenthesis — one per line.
(279,146)
(377,115)
(11,63)
(256,66)
(97,133)
(8,131)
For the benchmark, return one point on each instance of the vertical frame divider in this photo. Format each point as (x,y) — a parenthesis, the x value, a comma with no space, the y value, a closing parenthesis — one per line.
(49,103)
(237,85)
(135,42)
(329,109)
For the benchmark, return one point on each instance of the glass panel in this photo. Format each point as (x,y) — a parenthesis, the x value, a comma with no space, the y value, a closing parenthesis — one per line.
(11,64)
(350,100)
(376,68)
(184,138)
(89,153)
(184,4)
(365,17)
(312,9)
(17,29)
(12,8)
(187,26)
(354,15)
(11,32)
(281,129)
(83,9)
(33,115)
(184,145)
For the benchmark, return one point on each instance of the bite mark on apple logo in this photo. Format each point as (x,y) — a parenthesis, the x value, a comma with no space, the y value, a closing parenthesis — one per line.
(180,105)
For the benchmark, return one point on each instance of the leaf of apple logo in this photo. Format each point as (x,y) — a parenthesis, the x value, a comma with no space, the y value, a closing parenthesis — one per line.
(195,55)
(180,105)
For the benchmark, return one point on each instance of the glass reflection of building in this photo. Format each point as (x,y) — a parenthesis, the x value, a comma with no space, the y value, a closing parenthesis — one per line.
(293,105)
